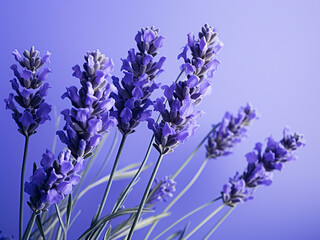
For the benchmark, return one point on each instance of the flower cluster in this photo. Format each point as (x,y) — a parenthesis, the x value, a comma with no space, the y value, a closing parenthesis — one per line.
(51,182)
(30,91)
(230,131)
(90,115)
(179,121)
(162,191)
(140,70)
(202,63)
(260,167)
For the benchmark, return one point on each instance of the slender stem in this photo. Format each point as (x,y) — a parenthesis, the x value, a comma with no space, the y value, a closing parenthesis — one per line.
(106,192)
(194,152)
(145,195)
(24,161)
(29,228)
(179,75)
(186,216)
(196,176)
(204,222)
(114,142)
(125,192)
(219,223)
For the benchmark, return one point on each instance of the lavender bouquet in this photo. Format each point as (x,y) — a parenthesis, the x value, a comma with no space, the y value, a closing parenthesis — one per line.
(103,103)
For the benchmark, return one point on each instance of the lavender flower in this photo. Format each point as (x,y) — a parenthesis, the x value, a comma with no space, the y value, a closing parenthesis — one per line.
(260,167)
(90,116)
(30,91)
(277,153)
(140,70)
(163,191)
(179,121)
(51,182)
(203,62)
(236,191)
(230,132)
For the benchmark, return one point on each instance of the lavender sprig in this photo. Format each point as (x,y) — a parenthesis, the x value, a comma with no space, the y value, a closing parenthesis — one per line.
(202,63)
(162,191)
(230,132)
(90,116)
(30,91)
(261,166)
(55,179)
(179,121)
(140,70)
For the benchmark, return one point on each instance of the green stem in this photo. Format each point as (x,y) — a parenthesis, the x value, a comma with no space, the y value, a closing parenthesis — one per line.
(186,216)
(106,192)
(125,192)
(204,221)
(26,145)
(115,139)
(196,176)
(145,195)
(30,226)
(219,223)
(194,152)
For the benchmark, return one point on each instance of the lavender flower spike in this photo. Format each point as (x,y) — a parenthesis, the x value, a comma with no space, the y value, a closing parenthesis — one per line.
(236,191)
(90,116)
(202,63)
(55,179)
(277,153)
(230,132)
(179,121)
(30,91)
(140,70)
(260,167)
(164,191)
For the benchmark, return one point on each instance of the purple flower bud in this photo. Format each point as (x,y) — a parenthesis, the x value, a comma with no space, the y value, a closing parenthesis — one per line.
(44,90)
(46,58)
(77,72)
(26,74)
(26,119)
(44,74)
(17,55)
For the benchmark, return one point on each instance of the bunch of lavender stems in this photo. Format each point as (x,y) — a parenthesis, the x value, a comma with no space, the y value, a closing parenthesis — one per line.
(179,122)
(134,89)
(259,172)
(232,128)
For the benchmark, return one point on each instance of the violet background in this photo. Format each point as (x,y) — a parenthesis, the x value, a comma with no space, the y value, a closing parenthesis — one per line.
(270,58)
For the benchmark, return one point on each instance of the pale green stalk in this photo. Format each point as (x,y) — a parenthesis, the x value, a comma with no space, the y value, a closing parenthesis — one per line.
(114,142)
(218,223)
(106,192)
(194,152)
(185,216)
(24,161)
(26,235)
(196,176)
(204,222)
(145,196)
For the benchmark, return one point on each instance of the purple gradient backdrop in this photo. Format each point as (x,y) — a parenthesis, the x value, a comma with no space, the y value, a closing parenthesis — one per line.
(270,58)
